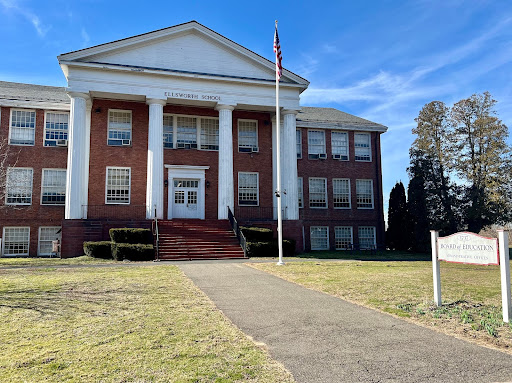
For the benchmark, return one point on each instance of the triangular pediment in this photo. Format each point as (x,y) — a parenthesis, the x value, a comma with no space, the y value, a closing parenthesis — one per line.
(187,48)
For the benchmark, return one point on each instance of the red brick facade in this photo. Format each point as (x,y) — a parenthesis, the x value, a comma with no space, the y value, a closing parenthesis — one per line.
(38,157)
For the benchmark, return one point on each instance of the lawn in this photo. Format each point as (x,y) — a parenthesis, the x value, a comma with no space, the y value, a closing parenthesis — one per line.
(120,324)
(471,294)
(38,262)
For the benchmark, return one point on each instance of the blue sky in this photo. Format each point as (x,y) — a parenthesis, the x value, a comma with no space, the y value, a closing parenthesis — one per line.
(381,60)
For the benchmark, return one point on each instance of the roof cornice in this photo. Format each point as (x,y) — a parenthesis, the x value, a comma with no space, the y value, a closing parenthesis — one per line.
(341,126)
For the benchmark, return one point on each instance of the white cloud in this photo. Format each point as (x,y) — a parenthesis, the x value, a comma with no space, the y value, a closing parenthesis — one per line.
(85,37)
(14,6)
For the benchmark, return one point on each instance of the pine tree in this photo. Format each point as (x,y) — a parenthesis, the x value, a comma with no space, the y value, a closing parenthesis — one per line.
(418,215)
(397,237)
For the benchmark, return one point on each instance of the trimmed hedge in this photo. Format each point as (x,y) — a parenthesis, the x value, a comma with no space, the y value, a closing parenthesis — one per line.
(131,235)
(132,252)
(100,249)
(270,248)
(257,234)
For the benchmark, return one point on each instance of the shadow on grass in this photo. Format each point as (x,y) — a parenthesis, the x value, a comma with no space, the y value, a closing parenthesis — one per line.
(362,255)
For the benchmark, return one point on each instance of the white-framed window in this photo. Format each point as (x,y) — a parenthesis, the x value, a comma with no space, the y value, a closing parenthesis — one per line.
(119,127)
(364,194)
(56,128)
(316,144)
(47,234)
(168,131)
(22,127)
(300,191)
(190,132)
(118,186)
(53,187)
(339,145)
(210,133)
(186,132)
(341,193)
(19,186)
(319,236)
(362,147)
(247,135)
(16,241)
(318,193)
(299,143)
(344,237)
(248,192)
(367,238)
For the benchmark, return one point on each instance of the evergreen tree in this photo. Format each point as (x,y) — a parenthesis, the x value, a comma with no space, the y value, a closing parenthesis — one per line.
(418,215)
(481,158)
(397,237)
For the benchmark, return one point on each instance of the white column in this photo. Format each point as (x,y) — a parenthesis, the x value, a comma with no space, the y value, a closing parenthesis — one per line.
(155,173)
(226,183)
(77,147)
(289,164)
(85,164)
(434,235)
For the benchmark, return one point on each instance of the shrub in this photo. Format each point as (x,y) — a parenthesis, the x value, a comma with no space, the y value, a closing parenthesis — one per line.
(270,248)
(257,234)
(98,249)
(132,252)
(130,235)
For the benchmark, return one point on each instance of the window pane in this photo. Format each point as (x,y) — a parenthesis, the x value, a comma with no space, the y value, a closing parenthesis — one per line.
(341,193)
(247,135)
(364,190)
(54,187)
(119,127)
(248,189)
(56,128)
(343,237)
(367,240)
(299,143)
(317,192)
(209,134)
(118,186)
(316,142)
(19,186)
(23,124)
(16,241)
(168,132)
(362,146)
(187,132)
(46,236)
(339,143)
(300,188)
(319,236)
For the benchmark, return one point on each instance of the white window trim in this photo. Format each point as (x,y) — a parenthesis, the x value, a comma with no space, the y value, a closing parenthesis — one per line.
(257,189)
(10,125)
(369,146)
(299,157)
(198,130)
(44,126)
(374,244)
(3,241)
(131,126)
(238,132)
(311,242)
(351,236)
(42,183)
(349,194)
(324,144)
(31,187)
(129,185)
(301,179)
(373,195)
(348,143)
(309,193)
(39,254)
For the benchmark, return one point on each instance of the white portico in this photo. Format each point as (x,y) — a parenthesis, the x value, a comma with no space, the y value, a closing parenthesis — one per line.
(188,65)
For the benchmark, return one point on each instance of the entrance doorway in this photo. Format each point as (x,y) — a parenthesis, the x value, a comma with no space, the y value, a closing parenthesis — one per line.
(186,191)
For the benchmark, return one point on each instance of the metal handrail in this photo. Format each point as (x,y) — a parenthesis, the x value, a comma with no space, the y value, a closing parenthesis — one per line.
(236,229)
(157,239)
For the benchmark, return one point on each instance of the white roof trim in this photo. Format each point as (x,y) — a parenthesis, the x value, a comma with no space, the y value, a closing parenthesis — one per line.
(193,26)
(189,167)
(35,104)
(341,126)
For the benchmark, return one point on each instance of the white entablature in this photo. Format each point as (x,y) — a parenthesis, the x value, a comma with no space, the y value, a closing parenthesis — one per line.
(187,63)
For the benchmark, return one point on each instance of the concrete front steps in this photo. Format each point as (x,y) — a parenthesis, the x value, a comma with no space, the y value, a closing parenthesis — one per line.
(197,239)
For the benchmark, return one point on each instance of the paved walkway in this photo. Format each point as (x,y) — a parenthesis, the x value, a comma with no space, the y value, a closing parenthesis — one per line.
(320,338)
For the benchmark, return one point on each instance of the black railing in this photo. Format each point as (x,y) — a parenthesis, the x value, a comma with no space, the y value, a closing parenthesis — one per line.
(257,213)
(156,237)
(236,229)
(114,212)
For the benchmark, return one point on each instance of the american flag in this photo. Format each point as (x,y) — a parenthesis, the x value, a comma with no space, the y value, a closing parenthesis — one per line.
(279,57)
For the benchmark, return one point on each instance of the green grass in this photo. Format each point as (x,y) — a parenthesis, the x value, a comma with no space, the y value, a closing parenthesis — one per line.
(365,255)
(471,294)
(38,262)
(120,324)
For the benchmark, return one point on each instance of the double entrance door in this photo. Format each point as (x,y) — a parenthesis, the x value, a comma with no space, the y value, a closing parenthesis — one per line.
(185,204)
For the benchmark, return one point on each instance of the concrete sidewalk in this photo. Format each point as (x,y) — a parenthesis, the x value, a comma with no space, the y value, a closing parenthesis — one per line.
(320,338)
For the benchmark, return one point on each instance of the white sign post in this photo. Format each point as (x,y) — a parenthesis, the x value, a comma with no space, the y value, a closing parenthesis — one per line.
(473,249)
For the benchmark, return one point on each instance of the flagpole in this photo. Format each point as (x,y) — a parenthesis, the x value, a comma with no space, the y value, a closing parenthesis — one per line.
(278,163)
